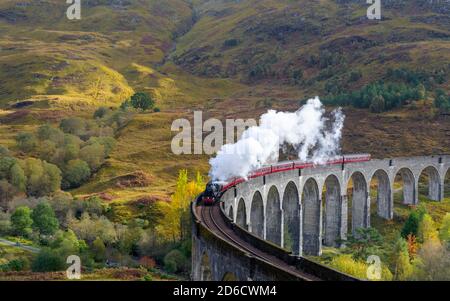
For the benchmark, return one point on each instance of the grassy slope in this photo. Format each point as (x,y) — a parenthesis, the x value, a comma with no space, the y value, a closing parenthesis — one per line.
(69,67)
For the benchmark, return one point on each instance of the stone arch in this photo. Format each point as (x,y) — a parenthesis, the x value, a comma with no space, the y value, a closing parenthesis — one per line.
(384,194)
(332,210)
(433,186)
(231,213)
(205,268)
(257,215)
(291,218)
(241,214)
(409,185)
(358,206)
(311,242)
(273,216)
(228,276)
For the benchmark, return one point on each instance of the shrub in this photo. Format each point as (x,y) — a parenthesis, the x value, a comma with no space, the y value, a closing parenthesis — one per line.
(44,219)
(93,155)
(101,112)
(231,43)
(42,178)
(50,133)
(411,225)
(17,264)
(5,223)
(174,261)
(21,221)
(348,265)
(427,229)
(147,262)
(26,142)
(4,151)
(400,260)
(99,250)
(444,232)
(76,173)
(48,261)
(74,125)
(142,101)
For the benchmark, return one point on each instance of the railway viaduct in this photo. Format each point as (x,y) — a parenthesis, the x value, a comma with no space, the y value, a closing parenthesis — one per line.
(294,213)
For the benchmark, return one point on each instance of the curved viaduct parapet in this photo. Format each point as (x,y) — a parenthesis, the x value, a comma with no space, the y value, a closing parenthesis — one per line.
(319,204)
(241,255)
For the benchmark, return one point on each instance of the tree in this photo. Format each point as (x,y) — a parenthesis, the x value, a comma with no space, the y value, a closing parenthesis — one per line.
(176,223)
(18,178)
(377,104)
(44,219)
(26,142)
(444,232)
(66,243)
(175,261)
(21,221)
(4,151)
(99,249)
(100,112)
(433,262)
(42,178)
(400,260)
(411,225)
(108,143)
(412,246)
(74,125)
(7,192)
(5,223)
(6,163)
(427,229)
(93,154)
(50,133)
(365,242)
(142,101)
(48,261)
(76,173)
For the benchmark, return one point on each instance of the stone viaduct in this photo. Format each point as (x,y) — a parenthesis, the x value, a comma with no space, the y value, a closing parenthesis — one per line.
(301,210)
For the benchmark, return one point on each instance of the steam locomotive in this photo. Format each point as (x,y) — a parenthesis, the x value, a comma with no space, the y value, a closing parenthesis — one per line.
(215,189)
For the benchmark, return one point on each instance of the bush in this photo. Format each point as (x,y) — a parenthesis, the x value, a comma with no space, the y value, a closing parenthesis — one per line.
(44,219)
(444,232)
(411,225)
(356,268)
(175,261)
(3,151)
(5,223)
(99,250)
(101,112)
(75,126)
(142,101)
(21,221)
(48,261)
(76,173)
(42,178)
(26,142)
(93,154)
(17,264)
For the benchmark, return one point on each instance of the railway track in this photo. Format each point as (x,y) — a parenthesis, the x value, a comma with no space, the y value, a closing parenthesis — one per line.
(213,219)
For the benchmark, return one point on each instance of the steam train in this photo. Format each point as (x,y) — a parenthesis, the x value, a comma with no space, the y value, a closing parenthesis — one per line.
(215,189)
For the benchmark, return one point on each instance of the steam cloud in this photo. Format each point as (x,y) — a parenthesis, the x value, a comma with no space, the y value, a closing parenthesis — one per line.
(306,130)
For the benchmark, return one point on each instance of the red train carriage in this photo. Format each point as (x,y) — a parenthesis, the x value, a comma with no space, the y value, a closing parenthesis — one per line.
(214,189)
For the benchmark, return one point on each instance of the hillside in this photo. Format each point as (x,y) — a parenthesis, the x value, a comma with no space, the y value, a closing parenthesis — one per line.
(229,58)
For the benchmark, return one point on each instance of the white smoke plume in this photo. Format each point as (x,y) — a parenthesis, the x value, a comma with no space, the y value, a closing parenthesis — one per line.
(314,136)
